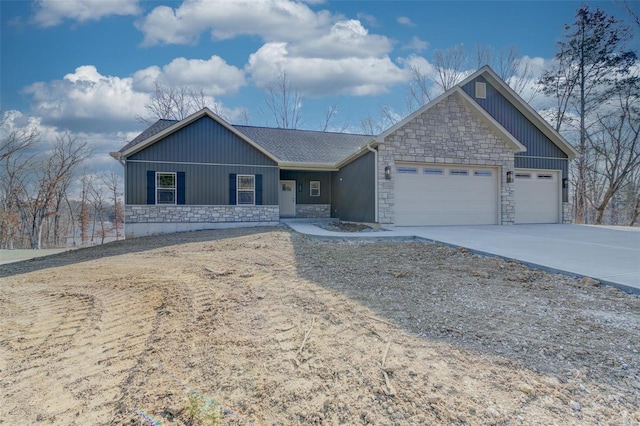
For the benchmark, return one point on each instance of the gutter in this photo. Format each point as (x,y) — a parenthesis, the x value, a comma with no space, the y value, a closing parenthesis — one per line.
(117,156)
(375,155)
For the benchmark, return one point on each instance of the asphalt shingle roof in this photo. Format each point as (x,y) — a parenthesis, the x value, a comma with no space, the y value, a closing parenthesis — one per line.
(306,146)
(156,127)
(288,145)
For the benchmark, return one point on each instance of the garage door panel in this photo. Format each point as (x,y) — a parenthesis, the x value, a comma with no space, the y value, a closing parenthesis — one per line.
(537,196)
(447,199)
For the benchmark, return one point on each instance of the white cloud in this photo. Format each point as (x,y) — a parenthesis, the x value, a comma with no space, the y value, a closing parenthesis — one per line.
(85,100)
(371,20)
(416,44)
(50,13)
(214,76)
(325,76)
(405,20)
(344,39)
(270,19)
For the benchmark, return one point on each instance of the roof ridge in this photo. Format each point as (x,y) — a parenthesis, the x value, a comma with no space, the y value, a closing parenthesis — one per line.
(300,130)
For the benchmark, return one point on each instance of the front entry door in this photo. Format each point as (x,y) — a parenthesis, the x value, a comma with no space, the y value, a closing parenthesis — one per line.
(287,197)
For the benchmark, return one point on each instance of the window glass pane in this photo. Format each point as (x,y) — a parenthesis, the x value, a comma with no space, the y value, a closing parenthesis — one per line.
(523,176)
(245,182)
(410,170)
(315,188)
(431,171)
(166,180)
(245,197)
(458,172)
(482,172)
(166,196)
(545,176)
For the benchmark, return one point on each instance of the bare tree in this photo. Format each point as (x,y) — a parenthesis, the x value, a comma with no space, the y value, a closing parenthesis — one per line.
(616,146)
(329,115)
(177,103)
(449,68)
(510,66)
(452,65)
(36,200)
(284,102)
(16,162)
(84,215)
(591,59)
(97,198)
(112,182)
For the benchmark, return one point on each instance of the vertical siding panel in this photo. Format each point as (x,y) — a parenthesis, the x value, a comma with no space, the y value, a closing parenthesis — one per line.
(538,145)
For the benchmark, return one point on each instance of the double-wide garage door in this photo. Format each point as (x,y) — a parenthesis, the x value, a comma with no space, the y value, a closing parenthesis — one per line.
(445,195)
(537,196)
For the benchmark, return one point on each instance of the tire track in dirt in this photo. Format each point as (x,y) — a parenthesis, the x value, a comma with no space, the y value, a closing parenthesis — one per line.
(80,344)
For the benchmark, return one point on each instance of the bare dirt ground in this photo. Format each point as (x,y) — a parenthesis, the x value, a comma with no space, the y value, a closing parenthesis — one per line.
(265,326)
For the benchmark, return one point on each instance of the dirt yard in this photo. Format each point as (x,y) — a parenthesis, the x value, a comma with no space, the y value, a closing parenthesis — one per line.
(269,327)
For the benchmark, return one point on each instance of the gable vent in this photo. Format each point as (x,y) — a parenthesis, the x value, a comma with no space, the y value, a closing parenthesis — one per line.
(481,90)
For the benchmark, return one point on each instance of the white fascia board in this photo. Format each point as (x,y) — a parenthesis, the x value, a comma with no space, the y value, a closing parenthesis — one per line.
(283,165)
(188,120)
(480,112)
(359,153)
(491,122)
(522,106)
(413,115)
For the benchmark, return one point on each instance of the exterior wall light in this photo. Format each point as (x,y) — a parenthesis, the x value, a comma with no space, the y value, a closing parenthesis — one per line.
(509,176)
(565,183)
(299,187)
(387,172)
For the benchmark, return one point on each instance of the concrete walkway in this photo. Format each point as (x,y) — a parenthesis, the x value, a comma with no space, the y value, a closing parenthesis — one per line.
(609,254)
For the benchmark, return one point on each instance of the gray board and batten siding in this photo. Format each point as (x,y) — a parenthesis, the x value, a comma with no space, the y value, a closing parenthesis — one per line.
(207,153)
(541,152)
(304,178)
(353,190)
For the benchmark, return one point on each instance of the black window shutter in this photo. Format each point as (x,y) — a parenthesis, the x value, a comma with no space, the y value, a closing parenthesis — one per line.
(232,189)
(180,187)
(258,190)
(151,187)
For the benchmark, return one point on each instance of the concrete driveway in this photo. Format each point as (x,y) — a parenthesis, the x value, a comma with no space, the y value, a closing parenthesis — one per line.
(608,254)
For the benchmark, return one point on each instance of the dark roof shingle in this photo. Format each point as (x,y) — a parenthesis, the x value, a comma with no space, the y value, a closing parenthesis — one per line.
(306,146)
(288,145)
(156,127)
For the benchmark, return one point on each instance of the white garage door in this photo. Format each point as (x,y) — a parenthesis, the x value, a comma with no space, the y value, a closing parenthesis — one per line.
(537,196)
(445,195)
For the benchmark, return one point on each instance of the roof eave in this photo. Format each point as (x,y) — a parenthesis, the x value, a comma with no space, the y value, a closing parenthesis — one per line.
(185,122)
(522,106)
(290,165)
(492,122)
(481,113)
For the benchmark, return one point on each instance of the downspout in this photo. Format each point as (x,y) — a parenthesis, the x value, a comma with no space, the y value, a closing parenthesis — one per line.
(375,156)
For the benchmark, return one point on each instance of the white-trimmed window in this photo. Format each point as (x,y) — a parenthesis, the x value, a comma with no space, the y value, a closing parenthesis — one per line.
(314,188)
(545,176)
(165,188)
(523,175)
(433,171)
(486,173)
(246,189)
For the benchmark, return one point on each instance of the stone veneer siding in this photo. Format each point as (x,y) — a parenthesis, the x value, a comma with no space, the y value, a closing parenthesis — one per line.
(169,214)
(567,216)
(313,210)
(447,133)
(157,219)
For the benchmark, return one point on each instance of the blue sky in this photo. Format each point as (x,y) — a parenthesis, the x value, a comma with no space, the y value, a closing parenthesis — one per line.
(88,67)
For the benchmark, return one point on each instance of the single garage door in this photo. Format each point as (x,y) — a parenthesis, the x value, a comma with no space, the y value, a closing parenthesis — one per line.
(537,195)
(445,195)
